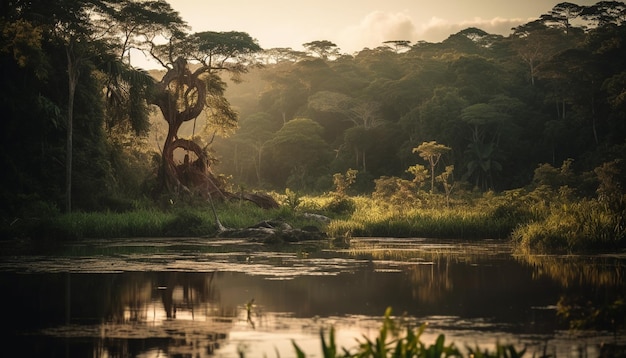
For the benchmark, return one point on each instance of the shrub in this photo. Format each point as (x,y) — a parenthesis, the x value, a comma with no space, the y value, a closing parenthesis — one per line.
(395,191)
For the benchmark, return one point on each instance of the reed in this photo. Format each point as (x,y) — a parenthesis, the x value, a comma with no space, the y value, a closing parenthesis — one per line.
(396,339)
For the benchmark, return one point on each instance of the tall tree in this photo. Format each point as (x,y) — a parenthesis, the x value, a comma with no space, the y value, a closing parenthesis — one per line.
(182,95)
(534,43)
(605,13)
(133,25)
(88,33)
(562,15)
(74,28)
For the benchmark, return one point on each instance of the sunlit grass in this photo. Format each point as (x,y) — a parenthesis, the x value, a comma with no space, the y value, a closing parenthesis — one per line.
(376,218)
(571,227)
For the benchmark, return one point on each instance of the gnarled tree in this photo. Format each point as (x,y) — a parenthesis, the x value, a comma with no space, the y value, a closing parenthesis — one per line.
(191,86)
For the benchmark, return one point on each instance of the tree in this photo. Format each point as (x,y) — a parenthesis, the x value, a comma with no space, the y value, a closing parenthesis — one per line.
(605,13)
(486,122)
(439,119)
(447,180)
(297,149)
(182,95)
(398,45)
(534,43)
(365,115)
(562,15)
(76,32)
(88,33)
(254,134)
(323,49)
(133,25)
(431,152)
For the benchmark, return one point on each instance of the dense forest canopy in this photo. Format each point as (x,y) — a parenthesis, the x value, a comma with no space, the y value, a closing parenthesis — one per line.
(80,127)
(552,90)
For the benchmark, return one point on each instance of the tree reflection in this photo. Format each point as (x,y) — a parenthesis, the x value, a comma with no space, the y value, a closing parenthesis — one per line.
(583,314)
(601,271)
(173,312)
(595,292)
(431,282)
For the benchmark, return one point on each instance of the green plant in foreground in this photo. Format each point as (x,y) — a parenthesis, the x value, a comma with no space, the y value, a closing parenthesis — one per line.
(390,344)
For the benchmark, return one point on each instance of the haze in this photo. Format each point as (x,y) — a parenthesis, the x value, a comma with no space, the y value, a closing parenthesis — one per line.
(354,25)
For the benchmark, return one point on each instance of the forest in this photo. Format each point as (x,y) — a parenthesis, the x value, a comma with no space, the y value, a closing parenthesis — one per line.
(540,113)
(552,91)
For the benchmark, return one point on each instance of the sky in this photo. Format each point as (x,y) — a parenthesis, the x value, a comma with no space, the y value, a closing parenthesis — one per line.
(356,24)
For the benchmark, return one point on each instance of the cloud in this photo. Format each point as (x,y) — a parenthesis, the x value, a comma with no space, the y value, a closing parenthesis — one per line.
(375,28)
(379,26)
(437,30)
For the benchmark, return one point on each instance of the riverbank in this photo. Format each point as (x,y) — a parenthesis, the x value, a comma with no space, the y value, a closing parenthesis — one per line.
(537,221)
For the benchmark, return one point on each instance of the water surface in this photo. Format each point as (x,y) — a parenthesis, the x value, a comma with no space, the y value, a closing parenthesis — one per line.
(196,297)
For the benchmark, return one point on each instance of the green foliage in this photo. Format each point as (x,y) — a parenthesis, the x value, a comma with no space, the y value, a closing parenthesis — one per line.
(292,199)
(344,181)
(420,174)
(394,340)
(611,184)
(565,222)
(397,191)
(179,219)
(340,205)
(546,174)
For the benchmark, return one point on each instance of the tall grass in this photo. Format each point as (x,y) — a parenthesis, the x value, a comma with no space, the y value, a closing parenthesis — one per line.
(179,221)
(377,218)
(572,227)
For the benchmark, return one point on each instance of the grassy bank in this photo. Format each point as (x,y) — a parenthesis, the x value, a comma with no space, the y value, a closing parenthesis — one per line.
(379,219)
(543,220)
(175,221)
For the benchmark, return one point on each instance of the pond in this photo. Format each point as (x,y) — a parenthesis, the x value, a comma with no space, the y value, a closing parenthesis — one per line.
(197,297)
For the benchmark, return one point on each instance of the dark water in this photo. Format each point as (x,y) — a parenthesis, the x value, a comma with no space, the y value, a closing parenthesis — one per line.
(199,298)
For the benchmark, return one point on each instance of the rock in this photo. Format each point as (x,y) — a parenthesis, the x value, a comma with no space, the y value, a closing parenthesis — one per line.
(318,217)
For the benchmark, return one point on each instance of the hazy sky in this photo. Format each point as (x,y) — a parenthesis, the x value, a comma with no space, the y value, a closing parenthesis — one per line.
(355,24)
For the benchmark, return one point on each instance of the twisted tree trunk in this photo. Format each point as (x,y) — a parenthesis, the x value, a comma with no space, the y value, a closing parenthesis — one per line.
(181,97)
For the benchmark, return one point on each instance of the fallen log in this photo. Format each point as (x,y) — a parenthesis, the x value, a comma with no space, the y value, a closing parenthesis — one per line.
(273,232)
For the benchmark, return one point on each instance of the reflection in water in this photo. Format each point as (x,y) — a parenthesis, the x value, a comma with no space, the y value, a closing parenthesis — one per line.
(169,312)
(198,299)
(601,308)
(600,271)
